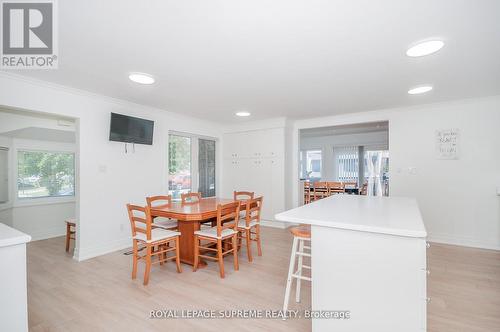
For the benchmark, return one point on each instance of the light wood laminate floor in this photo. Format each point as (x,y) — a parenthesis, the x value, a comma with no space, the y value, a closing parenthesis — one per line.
(98,294)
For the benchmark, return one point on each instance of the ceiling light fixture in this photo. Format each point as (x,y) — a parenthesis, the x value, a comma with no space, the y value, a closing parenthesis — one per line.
(425,48)
(419,90)
(141,78)
(243,114)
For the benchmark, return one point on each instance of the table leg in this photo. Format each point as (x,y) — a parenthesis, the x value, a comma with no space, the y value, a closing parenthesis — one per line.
(186,242)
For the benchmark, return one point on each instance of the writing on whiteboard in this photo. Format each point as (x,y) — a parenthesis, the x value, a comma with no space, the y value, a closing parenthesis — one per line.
(447,143)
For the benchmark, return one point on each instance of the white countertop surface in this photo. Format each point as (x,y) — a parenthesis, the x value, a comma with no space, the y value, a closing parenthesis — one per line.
(10,236)
(385,215)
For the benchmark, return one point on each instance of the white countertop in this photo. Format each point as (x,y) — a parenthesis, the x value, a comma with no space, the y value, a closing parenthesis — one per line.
(10,236)
(385,215)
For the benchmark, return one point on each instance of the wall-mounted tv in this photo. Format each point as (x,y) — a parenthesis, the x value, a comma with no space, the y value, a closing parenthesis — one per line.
(128,129)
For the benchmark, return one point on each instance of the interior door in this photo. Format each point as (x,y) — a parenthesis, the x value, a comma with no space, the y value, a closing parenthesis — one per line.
(206,167)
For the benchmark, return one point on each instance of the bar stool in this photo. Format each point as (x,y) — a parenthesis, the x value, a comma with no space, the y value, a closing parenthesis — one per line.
(301,234)
(70,231)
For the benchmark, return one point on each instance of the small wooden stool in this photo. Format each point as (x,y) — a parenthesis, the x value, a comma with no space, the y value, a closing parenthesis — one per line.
(300,234)
(70,233)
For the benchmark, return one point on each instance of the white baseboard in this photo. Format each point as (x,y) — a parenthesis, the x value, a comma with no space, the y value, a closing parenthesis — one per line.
(274,224)
(47,233)
(87,253)
(464,242)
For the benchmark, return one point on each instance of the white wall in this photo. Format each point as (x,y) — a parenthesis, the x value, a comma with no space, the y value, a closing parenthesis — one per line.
(327,143)
(457,198)
(108,178)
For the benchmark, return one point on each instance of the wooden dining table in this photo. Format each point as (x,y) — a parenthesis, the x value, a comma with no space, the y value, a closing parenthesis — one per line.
(189,217)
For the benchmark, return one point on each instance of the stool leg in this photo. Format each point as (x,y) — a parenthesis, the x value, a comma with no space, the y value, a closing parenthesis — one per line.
(290,272)
(299,270)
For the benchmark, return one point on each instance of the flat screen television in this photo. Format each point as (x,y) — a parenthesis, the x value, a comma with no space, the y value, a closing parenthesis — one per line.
(128,129)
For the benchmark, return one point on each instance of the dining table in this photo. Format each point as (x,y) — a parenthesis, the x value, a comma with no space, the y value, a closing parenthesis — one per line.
(189,217)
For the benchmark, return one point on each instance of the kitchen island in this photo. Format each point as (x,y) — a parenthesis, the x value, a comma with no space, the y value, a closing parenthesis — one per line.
(13,291)
(368,258)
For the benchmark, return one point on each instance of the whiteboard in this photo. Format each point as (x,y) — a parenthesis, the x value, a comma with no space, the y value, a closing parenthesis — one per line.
(447,143)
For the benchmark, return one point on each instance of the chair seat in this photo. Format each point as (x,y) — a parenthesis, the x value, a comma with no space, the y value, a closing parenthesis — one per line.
(242,224)
(212,232)
(157,234)
(164,223)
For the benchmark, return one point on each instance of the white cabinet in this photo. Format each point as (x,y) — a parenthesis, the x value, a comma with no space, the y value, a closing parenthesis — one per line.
(254,161)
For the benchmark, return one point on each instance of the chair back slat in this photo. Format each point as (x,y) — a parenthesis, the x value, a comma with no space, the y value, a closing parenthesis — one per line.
(161,201)
(228,211)
(140,220)
(190,198)
(336,187)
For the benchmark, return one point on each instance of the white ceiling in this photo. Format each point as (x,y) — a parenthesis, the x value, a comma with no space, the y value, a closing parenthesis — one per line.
(277,58)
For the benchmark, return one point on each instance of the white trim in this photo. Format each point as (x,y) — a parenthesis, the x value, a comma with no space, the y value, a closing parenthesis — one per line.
(463,242)
(273,224)
(24,202)
(102,249)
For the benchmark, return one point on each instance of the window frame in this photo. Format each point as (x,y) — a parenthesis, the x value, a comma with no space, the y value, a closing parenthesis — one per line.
(41,200)
(8,152)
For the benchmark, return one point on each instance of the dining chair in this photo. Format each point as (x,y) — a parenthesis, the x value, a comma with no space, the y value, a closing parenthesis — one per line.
(217,234)
(162,202)
(156,241)
(70,231)
(307,192)
(336,188)
(251,222)
(364,189)
(190,198)
(320,190)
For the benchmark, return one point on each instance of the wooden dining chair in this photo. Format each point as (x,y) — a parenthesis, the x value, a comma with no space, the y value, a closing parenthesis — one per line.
(156,241)
(250,225)
(320,190)
(364,189)
(162,202)
(70,231)
(190,198)
(336,188)
(307,192)
(223,231)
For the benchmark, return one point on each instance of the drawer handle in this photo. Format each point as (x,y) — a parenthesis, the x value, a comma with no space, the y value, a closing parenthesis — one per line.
(428,299)
(427,271)
(428,245)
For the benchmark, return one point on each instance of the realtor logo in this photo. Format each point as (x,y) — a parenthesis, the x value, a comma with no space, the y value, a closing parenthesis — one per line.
(28,35)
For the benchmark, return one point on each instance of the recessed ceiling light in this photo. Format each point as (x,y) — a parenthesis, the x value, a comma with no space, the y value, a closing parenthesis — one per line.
(420,89)
(243,113)
(425,48)
(141,78)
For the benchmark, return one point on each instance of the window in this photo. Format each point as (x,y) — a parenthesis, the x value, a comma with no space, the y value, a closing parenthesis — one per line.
(45,174)
(191,163)
(4,175)
(179,165)
(347,163)
(206,167)
(310,164)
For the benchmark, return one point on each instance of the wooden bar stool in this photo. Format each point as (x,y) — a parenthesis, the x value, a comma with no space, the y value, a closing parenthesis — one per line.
(70,231)
(301,234)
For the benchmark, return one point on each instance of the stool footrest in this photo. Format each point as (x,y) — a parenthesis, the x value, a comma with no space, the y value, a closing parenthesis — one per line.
(300,277)
(303,254)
